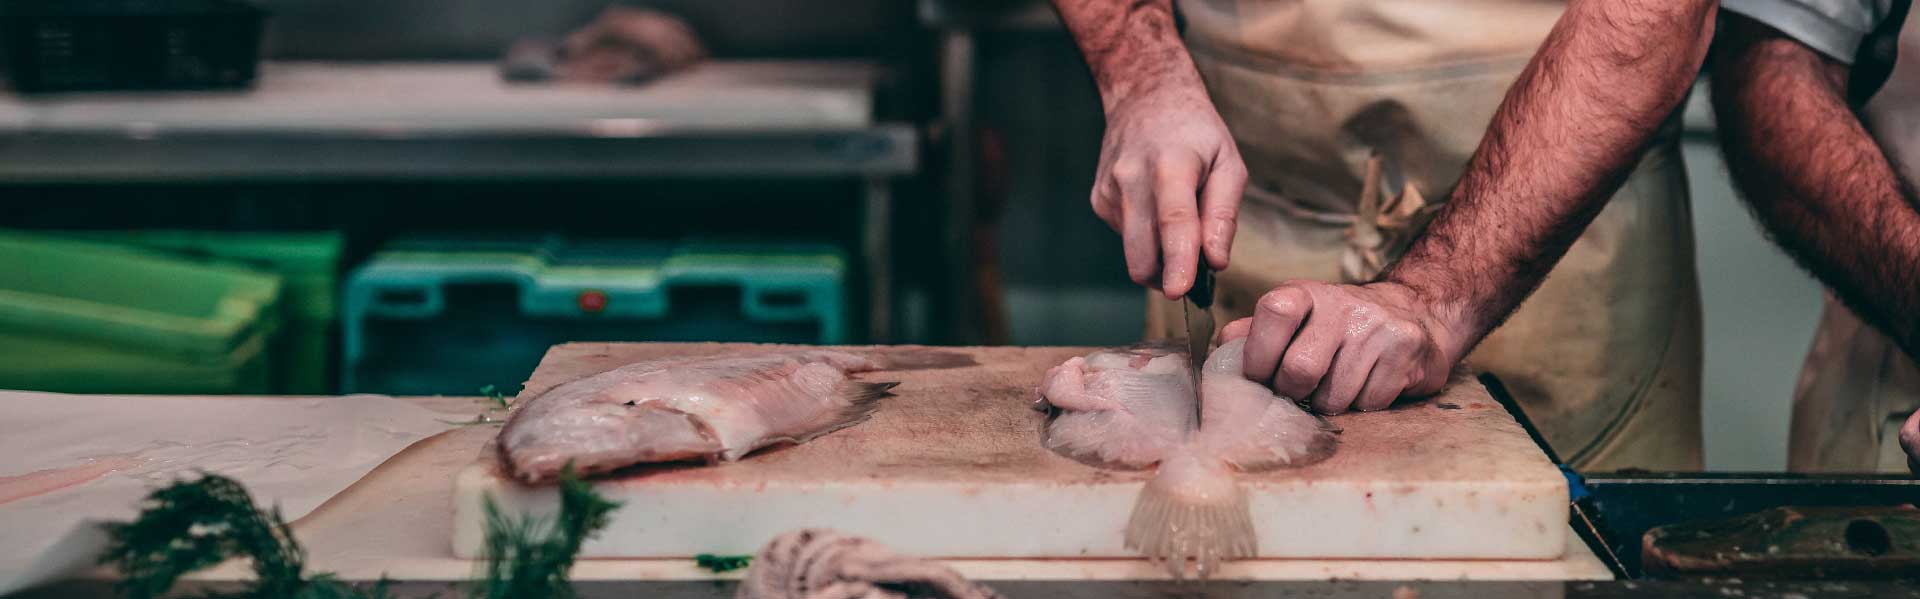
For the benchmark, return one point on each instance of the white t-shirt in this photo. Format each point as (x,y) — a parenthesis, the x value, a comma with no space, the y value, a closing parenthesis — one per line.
(1834,27)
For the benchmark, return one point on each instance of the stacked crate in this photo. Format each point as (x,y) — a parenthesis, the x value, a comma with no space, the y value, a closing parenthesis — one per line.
(88,317)
(449,316)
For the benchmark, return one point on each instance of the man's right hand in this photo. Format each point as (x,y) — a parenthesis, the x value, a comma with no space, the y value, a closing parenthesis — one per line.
(1169,182)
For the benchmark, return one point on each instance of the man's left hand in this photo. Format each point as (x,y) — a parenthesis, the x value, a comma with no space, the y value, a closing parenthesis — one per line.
(1346,346)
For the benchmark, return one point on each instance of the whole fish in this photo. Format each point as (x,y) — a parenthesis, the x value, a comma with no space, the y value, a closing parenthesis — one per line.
(714,408)
(1134,408)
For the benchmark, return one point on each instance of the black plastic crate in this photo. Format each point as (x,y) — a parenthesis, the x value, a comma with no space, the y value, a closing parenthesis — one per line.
(82,45)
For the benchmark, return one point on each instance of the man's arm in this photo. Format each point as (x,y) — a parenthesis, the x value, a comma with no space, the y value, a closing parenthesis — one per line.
(1170,178)
(1568,133)
(1821,185)
(1815,178)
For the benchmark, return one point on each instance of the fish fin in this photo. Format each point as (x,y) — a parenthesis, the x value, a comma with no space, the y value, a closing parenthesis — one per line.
(861,399)
(1281,436)
(919,358)
(1192,510)
(1108,439)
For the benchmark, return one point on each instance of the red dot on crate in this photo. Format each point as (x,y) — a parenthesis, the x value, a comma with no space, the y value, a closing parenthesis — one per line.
(593,301)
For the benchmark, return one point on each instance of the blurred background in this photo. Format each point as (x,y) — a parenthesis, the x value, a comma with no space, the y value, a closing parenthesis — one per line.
(312,196)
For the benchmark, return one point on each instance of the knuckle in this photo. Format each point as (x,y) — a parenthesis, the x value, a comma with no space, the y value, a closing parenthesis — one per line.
(1178,212)
(1224,209)
(1176,163)
(1283,301)
(1400,331)
(1303,369)
(1232,167)
(1128,169)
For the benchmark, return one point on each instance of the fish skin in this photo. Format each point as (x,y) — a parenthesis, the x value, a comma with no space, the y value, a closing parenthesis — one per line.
(675,409)
(1124,408)
(1245,424)
(1130,407)
(1133,408)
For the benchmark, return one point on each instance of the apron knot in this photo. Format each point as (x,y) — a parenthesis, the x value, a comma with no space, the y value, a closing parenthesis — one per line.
(1383,226)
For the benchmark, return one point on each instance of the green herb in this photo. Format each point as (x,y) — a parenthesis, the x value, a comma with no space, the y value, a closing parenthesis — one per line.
(499,399)
(721,563)
(192,525)
(529,557)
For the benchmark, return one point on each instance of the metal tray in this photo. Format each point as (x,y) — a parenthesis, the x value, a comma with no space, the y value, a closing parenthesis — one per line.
(1613,511)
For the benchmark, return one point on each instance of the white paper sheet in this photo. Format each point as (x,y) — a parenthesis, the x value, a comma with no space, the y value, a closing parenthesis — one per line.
(70,461)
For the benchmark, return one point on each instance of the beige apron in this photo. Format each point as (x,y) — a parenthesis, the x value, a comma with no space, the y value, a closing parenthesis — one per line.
(1857,387)
(1349,112)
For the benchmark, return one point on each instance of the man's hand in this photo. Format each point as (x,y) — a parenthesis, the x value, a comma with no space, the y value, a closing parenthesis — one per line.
(1169,182)
(1346,346)
(1910,441)
(1170,178)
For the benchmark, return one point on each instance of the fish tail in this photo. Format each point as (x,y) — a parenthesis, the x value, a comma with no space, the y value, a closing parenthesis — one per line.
(1192,511)
(862,393)
(860,399)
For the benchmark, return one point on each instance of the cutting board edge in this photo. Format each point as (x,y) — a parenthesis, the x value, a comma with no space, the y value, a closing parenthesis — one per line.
(1530,526)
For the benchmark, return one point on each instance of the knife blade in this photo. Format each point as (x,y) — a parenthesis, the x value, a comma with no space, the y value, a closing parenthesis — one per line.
(1196,307)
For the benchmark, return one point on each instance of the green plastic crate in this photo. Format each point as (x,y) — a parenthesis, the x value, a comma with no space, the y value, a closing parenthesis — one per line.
(44,364)
(308,264)
(428,316)
(81,316)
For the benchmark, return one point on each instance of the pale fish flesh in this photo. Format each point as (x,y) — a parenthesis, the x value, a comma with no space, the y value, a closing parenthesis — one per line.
(1133,408)
(713,408)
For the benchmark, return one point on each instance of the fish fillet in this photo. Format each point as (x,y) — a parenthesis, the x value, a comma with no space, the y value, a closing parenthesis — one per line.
(713,408)
(1133,408)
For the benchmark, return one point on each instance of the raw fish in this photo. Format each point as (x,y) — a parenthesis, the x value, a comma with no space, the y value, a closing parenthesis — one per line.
(1124,408)
(1133,408)
(714,408)
(815,563)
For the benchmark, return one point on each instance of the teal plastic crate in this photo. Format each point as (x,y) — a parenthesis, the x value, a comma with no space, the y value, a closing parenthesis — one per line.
(441,316)
(308,264)
(80,316)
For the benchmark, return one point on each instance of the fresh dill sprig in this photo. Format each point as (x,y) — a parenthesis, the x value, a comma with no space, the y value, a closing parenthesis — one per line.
(193,525)
(721,563)
(493,394)
(529,557)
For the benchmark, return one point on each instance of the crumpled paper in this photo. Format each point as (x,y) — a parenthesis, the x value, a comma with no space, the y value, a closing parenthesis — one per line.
(72,461)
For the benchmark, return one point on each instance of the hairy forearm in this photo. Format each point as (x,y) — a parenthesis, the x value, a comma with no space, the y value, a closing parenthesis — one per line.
(1815,178)
(1568,133)
(1130,45)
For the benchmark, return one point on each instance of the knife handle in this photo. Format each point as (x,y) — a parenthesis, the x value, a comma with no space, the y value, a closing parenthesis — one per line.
(1202,292)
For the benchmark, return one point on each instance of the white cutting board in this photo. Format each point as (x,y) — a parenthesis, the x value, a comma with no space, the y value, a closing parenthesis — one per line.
(952,467)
